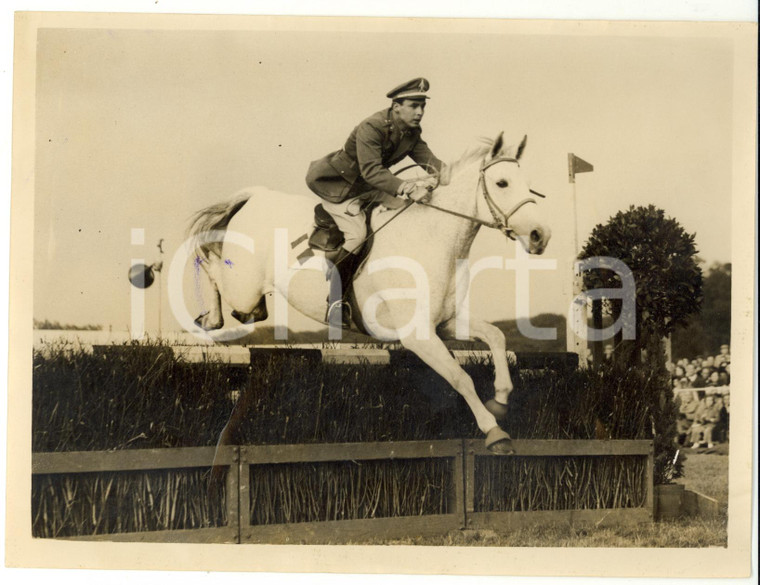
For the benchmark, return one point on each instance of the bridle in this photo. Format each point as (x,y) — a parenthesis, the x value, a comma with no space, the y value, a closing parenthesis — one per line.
(501,219)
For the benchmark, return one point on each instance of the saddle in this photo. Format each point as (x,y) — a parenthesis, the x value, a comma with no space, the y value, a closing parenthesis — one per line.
(326,235)
(328,238)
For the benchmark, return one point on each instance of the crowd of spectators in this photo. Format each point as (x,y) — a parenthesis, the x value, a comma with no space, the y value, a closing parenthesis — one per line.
(702,391)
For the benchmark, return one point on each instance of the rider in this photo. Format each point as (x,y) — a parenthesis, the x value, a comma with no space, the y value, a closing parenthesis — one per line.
(349,179)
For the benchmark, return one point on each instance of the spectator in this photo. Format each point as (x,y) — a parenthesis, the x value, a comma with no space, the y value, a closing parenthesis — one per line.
(713,381)
(689,403)
(693,378)
(706,417)
(608,353)
(705,374)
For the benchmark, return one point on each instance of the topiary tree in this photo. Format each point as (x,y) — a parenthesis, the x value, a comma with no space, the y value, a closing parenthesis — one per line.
(663,260)
(668,280)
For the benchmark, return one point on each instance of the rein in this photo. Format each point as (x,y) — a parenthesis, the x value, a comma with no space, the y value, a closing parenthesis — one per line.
(501,219)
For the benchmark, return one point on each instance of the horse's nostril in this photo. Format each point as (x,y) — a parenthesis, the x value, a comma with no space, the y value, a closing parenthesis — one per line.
(535,236)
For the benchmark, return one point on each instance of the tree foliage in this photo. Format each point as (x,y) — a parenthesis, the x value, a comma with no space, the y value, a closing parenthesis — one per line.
(47,324)
(662,258)
(711,327)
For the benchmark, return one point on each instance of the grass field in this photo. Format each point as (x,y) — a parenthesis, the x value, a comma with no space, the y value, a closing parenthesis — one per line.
(707,474)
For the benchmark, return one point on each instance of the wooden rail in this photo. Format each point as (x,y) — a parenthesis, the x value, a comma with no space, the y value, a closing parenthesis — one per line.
(461,509)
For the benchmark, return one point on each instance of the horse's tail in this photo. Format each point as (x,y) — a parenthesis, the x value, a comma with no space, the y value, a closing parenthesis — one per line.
(206,224)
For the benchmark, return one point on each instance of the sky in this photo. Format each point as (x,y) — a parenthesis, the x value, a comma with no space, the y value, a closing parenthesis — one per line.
(140,128)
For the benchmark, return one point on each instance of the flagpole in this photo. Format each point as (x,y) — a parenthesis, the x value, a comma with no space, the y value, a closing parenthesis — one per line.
(158,268)
(578,320)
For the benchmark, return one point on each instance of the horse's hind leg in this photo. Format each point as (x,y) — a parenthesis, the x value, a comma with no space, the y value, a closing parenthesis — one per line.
(494,337)
(434,353)
(204,278)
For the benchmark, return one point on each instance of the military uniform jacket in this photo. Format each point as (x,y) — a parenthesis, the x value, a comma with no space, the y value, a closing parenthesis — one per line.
(362,165)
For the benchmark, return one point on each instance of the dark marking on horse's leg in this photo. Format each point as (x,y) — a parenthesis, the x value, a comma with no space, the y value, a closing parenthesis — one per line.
(230,435)
(259,313)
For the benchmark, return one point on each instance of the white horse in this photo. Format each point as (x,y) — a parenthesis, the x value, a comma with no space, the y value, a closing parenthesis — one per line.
(406,290)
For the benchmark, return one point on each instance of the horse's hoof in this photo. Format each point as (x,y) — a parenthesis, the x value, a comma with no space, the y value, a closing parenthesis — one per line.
(200,321)
(499,442)
(498,409)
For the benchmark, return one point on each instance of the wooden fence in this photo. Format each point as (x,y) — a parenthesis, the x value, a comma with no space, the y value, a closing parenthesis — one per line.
(461,457)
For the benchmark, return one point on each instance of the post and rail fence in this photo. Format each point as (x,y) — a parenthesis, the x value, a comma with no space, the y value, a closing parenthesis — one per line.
(465,467)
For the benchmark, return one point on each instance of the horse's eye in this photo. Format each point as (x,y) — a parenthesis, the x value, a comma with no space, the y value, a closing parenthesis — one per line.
(503,184)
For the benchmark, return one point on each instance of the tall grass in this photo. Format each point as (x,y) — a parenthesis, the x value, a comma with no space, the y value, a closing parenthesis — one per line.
(518,484)
(353,490)
(107,503)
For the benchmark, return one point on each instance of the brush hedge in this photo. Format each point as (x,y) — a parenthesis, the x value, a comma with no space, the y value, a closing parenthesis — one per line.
(142,397)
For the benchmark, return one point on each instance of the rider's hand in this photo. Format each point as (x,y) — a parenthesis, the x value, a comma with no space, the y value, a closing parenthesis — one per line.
(392,202)
(420,194)
(406,188)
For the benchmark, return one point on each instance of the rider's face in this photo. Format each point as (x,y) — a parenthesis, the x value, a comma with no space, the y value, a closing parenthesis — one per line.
(410,112)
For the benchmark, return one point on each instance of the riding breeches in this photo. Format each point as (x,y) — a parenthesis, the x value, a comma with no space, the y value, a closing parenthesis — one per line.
(351,219)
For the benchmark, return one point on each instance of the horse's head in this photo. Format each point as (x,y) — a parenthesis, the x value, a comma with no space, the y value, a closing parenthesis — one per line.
(509,199)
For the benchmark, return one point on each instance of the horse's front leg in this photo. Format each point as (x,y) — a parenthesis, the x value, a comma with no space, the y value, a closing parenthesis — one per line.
(494,338)
(434,353)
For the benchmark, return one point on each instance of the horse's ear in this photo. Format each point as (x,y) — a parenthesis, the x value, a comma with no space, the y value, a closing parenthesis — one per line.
(498,144)
(521,147)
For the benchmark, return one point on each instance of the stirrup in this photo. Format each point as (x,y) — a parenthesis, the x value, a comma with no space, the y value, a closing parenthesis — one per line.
(345,312)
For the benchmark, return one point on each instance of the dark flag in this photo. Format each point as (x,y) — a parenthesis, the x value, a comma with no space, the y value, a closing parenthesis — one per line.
(577,165)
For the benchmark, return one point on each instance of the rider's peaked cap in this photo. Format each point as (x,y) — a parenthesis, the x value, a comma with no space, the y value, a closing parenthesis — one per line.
(414,89)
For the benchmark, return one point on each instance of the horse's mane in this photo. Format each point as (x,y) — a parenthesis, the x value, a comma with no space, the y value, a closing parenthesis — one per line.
(213,218)
(476,151)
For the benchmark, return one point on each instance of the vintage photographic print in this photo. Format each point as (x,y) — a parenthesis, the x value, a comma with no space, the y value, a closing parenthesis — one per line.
(382,295)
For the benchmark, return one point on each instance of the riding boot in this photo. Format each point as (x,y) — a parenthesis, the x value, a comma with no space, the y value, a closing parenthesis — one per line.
(340,276)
